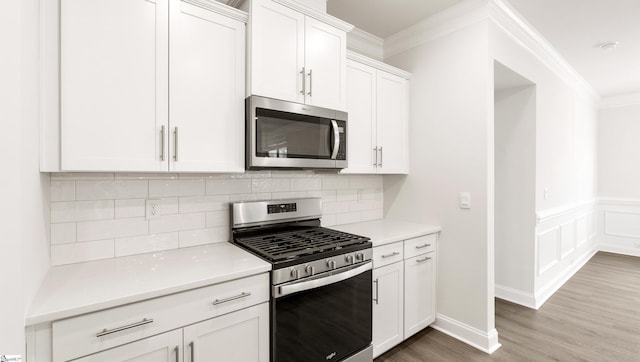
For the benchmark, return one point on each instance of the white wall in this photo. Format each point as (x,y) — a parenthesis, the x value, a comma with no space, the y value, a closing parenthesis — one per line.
(24,191)
(619,152)
(619,179)
(451,146)
(515,117)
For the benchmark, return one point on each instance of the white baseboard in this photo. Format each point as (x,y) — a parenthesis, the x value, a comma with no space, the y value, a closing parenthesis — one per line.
(516,296)
(546,291)
(619,250)
(486,342)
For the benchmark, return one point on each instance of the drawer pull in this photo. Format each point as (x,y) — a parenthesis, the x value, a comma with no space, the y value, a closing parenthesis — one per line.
(423,246)
(390,255)
(423,259)
(241,295)
(105,331)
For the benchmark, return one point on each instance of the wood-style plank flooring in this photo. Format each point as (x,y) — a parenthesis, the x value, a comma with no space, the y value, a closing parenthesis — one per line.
(595,316)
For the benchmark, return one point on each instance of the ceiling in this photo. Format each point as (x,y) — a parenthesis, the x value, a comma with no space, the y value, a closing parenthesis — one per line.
(574,28)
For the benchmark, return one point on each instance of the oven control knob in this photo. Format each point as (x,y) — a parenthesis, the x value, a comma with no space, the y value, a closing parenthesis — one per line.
(331,264)
(295,273)
(360,256)
(349,259)
(311,270)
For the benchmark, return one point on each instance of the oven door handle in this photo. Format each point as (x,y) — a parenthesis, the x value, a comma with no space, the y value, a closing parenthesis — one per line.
(320,282)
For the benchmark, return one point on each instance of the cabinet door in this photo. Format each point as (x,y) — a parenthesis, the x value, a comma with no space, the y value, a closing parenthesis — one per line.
(325,59)
(387,307)
(277,51)
(166,347)
(241,336)
(419,293)
(361,106)
(206,103)
(392,123)
(114,66)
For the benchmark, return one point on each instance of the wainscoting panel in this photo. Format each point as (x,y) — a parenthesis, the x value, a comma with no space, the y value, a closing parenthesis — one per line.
(625,224)
(618,228)
(566,240)
(548,245)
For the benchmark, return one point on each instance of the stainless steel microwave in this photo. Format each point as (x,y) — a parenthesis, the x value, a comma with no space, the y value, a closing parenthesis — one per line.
(282,134)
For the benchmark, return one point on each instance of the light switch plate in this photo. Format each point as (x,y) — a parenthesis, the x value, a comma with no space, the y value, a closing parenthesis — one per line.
(465,200)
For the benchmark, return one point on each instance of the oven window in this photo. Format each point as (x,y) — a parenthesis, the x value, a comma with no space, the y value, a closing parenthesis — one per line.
(323,324)
(287,135)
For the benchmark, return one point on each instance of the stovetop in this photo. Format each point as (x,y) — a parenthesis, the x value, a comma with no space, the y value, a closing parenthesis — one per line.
(301,244)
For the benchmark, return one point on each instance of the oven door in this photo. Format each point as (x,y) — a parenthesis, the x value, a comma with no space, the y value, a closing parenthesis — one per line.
(292,135)
(327,318)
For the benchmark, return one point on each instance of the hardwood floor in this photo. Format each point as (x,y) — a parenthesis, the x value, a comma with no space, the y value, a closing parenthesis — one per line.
(595,316)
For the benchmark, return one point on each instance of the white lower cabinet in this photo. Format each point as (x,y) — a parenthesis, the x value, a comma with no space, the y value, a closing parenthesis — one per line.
(404,290)
(387,307)
(241,336)
(419,293)
(160,348)
(222,322)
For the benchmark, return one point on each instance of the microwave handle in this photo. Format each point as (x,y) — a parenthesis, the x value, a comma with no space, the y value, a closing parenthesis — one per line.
(336,139)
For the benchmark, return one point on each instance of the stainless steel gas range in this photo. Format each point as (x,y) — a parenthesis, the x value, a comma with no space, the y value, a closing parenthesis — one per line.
(320,281)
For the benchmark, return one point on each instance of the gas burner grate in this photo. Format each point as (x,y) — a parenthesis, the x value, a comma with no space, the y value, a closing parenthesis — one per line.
(286,245)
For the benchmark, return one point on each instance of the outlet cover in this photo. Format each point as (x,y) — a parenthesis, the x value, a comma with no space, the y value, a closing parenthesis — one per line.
(153,208)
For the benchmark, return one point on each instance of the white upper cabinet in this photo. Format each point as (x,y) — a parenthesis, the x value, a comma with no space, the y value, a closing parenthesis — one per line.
(206,90)
(144,86)
(113,65)
(361,132)
(296,54)
(377,133)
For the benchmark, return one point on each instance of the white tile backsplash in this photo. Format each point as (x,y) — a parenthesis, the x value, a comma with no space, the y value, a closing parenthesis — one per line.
(63,190)
(102,215)
(109,190)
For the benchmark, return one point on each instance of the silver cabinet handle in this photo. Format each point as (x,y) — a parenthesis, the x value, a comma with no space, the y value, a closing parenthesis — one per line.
(241,295)
(162,143)
(423,259)
(192,347)
(177,350)
(175,144)
(422,246)
(377,287)
(380,164)
(105,331)
(375,152)
(390,255)
(303,81)
(310,82)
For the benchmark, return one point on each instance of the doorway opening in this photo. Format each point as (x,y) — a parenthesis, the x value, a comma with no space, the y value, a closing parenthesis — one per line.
(514,188)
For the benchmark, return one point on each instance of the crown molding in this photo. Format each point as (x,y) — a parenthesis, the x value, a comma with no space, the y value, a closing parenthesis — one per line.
(316,14)
(365,43)
(515,26)
(377,64)
(622,100)
(459,16)
(501,14)
(221,9)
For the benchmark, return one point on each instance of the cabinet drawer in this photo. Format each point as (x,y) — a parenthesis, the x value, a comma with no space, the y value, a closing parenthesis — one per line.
(93,332)
(419,245)
(387,254)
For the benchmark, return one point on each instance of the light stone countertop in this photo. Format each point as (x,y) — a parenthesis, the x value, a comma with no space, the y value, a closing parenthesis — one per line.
(74,289)
(388,231)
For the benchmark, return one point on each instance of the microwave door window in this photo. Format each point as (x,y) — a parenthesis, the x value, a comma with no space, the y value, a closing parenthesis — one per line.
(285,138)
